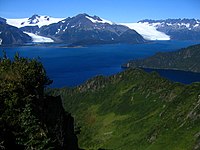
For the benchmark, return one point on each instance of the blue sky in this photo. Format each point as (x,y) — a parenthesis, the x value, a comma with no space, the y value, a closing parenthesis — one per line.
(114,10)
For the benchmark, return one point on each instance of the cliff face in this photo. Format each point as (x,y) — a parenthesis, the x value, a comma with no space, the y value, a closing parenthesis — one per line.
(59,127)
(59,123)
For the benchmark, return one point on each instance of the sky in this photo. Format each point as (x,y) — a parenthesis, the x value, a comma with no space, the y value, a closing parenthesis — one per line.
(114,10)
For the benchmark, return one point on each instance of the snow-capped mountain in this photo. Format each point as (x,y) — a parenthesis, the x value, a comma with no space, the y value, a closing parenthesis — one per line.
(10,35)
(96,19)
(78,30)
(177,29)
(174,23)
(35,20)
(85,29)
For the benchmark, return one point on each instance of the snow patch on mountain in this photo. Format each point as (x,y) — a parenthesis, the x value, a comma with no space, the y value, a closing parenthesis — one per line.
(99,21)
(1,41)
(148,32)
(58,31)
(39,39)
(33,21)
(173,23)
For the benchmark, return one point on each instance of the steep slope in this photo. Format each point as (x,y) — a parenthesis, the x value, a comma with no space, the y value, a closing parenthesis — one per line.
(135,110)
(187,59)
(10,35)
(2,20)
(177,29)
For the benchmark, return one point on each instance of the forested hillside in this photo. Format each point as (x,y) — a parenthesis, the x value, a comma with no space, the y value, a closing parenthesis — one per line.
(186,59)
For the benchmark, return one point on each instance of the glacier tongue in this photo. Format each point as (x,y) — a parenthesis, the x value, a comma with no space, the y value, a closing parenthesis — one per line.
(148,32)
(39,39)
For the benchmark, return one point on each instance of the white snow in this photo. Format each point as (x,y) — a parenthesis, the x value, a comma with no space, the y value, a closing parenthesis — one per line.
(43,20)
(155,24)
(185,24)
(1,41)
(147,31)
(65,29)
(169,24)
(39,39)
(58,31)
(98,21)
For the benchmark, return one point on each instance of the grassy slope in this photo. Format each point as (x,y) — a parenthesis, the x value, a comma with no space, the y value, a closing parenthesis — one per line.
(135,110)
(187,59)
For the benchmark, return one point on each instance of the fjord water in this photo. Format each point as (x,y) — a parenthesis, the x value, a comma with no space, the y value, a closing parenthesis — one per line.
(73,66)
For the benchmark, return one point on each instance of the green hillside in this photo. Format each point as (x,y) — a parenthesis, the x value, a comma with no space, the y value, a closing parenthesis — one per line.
(187,59)
(134,110)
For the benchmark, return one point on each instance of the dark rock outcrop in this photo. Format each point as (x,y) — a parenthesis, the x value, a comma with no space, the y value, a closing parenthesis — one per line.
(60,124)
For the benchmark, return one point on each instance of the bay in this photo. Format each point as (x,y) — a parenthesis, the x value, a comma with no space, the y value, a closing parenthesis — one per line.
(69,67)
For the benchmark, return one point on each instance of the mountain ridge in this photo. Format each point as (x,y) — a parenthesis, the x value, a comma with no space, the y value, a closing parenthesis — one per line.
(186,59)
(104,31)
(82,28)
(34,20)
(134,110)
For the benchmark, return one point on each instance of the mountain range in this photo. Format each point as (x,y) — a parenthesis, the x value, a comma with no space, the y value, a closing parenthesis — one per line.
(78,30)
(84,29)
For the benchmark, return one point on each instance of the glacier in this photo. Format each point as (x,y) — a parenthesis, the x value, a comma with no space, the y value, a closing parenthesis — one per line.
(39,39)
(147,31)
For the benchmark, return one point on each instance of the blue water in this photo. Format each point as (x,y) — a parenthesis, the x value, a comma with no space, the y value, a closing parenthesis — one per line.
(177,76)
(73,66)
